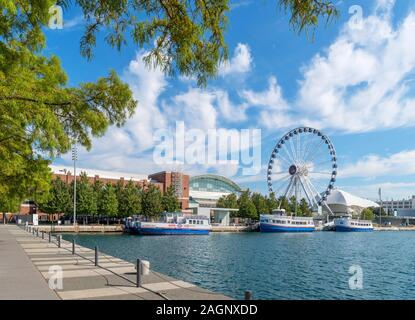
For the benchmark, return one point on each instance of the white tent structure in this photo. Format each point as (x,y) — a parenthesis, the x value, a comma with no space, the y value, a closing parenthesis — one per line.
(341,202)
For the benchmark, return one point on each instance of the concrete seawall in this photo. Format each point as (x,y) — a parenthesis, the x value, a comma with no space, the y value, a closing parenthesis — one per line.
(112,278)
(97,228)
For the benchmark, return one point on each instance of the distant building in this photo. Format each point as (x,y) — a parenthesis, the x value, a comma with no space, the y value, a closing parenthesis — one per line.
(400,208)
(206,190)
(178,180)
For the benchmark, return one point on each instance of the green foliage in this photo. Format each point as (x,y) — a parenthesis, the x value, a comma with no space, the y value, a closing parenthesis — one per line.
(229,201)
(40,115)
(151,206)
(59,199)
(129,199)
(305,14)
(367,214)
(107,201)
(169,200)
(272,202)
(86,199)
(247,208)
(260,203)
(284,204)
(304,209)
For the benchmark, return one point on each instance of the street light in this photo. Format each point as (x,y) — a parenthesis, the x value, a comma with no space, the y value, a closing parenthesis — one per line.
(74,158)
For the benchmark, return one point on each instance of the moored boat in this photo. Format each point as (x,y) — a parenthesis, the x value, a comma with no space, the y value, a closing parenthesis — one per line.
(280,222)
(347,224)
(172,224)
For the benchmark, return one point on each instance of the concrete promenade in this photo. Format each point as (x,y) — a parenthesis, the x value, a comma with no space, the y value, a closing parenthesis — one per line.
(25,262)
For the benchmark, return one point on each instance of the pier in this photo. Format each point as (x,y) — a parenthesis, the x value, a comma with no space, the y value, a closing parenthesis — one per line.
(28,259)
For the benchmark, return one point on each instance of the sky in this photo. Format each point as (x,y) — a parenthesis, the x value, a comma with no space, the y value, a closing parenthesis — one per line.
(353,81)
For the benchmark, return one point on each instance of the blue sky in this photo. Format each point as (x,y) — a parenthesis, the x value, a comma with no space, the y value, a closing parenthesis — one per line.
(354,82)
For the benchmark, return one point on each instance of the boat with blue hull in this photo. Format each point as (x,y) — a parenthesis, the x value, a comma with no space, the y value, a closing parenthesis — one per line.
(347,224)
(280,222)
(173,224)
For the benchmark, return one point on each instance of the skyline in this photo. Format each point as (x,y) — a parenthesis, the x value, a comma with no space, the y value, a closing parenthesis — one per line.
(354,84)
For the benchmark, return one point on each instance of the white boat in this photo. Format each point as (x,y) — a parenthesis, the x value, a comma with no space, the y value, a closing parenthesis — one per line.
(173,224)
(279,221)
(347,224)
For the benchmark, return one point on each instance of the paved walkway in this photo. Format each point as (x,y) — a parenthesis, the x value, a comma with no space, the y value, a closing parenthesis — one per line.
(19,278)
(112,279)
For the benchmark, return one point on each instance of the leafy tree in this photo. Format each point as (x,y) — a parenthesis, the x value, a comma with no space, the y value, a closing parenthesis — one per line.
(246,206)
(229,201)
(107,201)
(169,200)
(260,203)
(86,199)
(304,208)
(151,206)
(306,13)
(367,214)
(59,199)
(283,203)
(272,202)
(293,205)
(129,199)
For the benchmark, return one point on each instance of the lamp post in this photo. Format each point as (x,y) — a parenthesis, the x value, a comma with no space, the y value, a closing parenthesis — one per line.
(74,158)
(381,205)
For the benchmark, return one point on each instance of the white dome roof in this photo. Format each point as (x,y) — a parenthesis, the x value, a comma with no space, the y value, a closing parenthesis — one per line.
(340,197)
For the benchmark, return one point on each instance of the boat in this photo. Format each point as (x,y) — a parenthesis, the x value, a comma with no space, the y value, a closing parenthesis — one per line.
(329,226)
(173,223)
(279,221)
(347,224)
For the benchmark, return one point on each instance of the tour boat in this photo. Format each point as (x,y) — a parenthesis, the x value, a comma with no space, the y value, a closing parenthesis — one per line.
(172,224)
(280,222)
(347,224)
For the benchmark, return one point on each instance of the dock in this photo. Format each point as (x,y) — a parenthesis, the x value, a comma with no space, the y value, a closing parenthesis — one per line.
(30,266)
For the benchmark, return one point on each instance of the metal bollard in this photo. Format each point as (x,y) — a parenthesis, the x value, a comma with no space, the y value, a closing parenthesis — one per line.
(50,237)
(43,235)
(139,271)
(96,255)
(59,240)
(73,246)
(33,231)
(37,232)
(248,295)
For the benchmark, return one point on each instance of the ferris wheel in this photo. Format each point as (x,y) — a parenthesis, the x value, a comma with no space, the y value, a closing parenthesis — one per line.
(303,164)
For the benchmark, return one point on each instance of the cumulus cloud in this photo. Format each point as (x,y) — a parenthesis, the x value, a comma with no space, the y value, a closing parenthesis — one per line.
(362,81)
(240,62)
(374,166)
(147,85)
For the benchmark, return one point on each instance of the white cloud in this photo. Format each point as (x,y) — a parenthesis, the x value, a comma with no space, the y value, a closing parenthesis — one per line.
(374,166)
(361,82)
(146,85)
(390,190)
(240,62)
(74,22)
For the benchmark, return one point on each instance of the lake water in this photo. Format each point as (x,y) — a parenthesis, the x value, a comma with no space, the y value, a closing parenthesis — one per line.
(277,266)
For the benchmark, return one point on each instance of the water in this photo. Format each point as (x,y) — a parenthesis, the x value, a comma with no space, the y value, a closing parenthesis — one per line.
(277,266)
